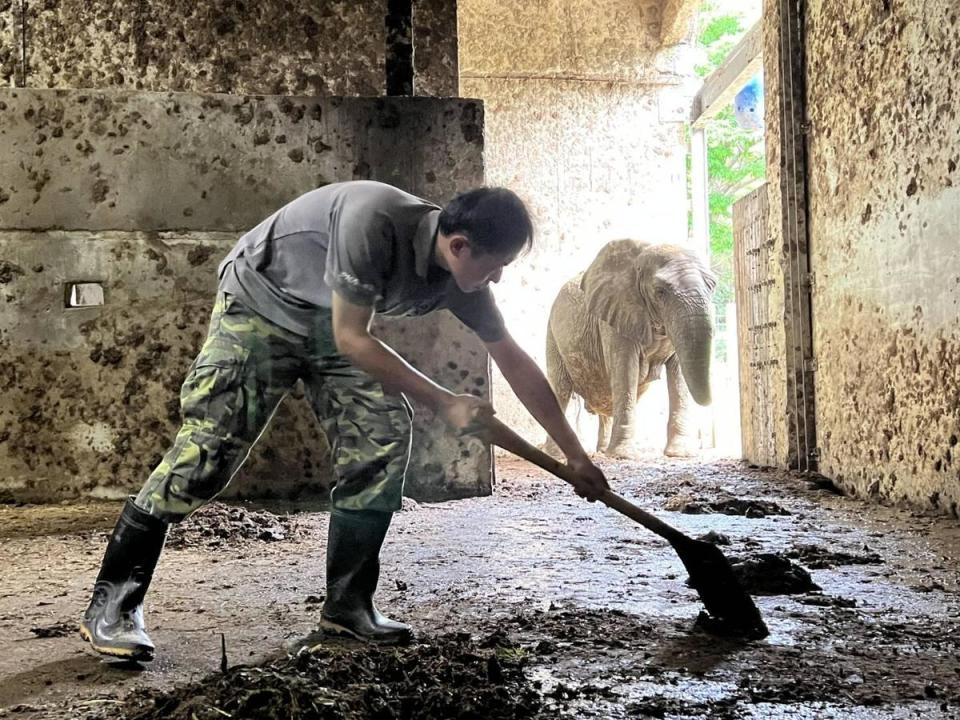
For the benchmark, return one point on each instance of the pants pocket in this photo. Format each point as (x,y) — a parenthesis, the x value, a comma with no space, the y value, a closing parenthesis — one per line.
(214,393)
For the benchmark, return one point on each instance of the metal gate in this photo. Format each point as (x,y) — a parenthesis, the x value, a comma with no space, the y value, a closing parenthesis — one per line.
(757,328)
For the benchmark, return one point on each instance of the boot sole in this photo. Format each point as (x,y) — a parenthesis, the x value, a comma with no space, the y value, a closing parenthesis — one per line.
(113,651)
(342,630)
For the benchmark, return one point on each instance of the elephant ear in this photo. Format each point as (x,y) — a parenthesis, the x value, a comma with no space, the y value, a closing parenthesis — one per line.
(611,288)
(683,260)
(709,278)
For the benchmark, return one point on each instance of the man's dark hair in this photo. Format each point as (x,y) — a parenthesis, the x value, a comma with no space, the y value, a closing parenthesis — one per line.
(494,219)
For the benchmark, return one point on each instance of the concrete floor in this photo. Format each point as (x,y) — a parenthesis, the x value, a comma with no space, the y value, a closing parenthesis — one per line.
(600,602)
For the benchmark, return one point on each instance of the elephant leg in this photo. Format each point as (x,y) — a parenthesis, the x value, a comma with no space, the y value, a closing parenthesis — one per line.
(682,438)
(561,384)
(603,434)
(624,365)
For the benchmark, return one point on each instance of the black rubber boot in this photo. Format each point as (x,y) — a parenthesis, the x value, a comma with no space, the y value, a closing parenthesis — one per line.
(353,569)
(113,624)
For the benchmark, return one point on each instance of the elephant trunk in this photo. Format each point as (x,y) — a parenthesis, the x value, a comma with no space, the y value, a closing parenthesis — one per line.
(691,333)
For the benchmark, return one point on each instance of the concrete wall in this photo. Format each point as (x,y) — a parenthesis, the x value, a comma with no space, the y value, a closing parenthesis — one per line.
(329,48)
(584,119)
(145,192)
(885,210)
(270,47)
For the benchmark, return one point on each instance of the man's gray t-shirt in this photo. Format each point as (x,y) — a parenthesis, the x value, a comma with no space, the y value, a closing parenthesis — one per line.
(369,242)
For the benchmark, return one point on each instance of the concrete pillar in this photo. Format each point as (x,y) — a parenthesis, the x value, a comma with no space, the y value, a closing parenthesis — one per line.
(143,193)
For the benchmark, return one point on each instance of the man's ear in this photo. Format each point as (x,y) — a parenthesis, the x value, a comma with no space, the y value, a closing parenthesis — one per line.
(459,245)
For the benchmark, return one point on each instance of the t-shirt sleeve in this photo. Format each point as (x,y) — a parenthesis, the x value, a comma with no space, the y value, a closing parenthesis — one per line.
(479,312)
(359,256)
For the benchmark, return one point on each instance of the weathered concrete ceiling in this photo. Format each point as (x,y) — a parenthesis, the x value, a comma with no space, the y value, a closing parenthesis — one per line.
(609,40)
(267,47)
(329,48)
(676,17)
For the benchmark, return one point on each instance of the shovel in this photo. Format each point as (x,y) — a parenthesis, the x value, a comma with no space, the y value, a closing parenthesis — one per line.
(710,572)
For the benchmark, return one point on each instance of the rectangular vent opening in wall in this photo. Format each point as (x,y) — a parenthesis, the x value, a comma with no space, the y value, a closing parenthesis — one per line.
(83,294)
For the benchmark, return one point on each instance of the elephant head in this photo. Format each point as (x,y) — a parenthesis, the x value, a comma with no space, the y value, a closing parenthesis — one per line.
(645,290)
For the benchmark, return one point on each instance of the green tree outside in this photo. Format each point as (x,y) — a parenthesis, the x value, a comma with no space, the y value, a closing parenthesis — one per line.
(735,157)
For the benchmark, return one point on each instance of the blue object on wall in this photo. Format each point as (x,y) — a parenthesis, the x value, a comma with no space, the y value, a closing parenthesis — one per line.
(748,105)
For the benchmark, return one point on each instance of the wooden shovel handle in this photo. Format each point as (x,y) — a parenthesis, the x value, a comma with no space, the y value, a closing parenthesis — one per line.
(504,437)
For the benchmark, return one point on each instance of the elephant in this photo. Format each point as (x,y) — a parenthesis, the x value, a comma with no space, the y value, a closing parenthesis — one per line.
(637,307)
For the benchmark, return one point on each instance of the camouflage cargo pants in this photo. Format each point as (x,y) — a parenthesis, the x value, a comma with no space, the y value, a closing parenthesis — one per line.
(245,367)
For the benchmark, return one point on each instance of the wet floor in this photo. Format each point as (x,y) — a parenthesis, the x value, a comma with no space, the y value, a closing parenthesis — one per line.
(591,609)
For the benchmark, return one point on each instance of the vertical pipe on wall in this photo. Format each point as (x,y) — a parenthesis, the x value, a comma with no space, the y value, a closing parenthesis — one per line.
(399,65)
(796,237)
(21,74)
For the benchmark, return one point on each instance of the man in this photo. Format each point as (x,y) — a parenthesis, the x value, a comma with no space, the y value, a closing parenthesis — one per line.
(296,298)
